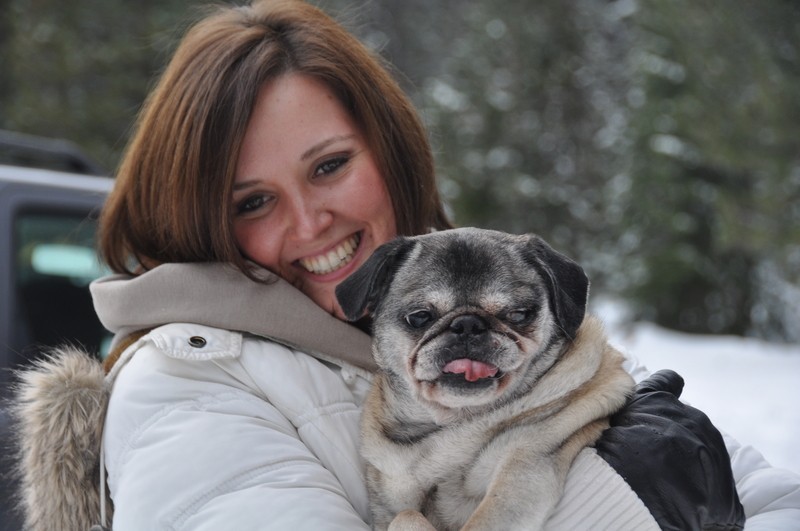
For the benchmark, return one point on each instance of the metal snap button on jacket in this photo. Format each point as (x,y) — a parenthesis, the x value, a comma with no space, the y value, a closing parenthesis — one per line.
(197,341)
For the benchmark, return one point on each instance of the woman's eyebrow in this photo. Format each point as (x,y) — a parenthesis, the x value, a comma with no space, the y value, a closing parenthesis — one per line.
(315,149)
(309,153)
(244,184)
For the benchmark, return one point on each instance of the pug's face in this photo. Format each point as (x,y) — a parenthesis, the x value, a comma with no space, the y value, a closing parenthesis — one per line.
(462,318)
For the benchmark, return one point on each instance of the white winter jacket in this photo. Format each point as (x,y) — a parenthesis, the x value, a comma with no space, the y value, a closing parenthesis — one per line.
(210,428)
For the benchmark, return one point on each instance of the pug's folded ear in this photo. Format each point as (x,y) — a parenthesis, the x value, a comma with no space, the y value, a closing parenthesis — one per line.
(567,284)
(360,292)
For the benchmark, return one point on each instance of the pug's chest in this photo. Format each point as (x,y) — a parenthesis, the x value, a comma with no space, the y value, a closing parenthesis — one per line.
(445,476)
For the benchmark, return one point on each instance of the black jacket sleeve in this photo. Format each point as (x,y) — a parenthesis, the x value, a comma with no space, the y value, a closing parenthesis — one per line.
(673,457)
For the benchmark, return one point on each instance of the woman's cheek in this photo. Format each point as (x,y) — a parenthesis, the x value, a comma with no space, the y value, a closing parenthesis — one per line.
(254,243)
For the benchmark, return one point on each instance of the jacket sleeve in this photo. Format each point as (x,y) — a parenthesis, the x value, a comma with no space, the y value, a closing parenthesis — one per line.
(190,446)
(770,495)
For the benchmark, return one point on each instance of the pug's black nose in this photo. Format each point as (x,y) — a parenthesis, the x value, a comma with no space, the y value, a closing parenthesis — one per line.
(468,324)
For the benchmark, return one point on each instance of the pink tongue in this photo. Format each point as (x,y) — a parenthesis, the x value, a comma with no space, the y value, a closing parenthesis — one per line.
(471,369)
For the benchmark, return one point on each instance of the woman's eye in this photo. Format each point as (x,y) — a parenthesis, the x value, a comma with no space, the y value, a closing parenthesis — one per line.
(518,316)
(251,204)
(419,318)
(331,166)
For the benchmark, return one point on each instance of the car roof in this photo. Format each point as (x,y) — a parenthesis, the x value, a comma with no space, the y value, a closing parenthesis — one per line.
(55,179)
(32,151)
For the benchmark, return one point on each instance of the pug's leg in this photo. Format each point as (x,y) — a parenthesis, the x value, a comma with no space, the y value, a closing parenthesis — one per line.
(529,485)
(389,501)
(521,496)
(410,520)
(379,500)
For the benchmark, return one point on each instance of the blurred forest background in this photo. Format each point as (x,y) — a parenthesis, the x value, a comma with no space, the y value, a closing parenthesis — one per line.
(655,141)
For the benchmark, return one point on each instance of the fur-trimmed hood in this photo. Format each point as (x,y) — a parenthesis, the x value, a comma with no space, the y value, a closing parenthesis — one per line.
(58,413)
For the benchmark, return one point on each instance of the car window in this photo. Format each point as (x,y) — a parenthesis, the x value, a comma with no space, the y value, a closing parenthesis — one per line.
(55,261)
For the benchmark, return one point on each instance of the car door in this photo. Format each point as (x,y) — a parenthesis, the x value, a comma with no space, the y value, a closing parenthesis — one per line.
(47,259)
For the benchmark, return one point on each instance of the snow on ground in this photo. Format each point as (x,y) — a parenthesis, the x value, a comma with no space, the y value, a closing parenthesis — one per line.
(749,388)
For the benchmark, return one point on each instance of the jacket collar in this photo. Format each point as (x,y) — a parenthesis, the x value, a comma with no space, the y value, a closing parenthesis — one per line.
(219,295)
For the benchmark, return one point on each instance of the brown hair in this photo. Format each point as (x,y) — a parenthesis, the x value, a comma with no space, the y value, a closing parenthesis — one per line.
(171,201)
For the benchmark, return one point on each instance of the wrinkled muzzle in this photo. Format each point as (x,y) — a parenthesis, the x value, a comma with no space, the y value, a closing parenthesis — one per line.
(465,364)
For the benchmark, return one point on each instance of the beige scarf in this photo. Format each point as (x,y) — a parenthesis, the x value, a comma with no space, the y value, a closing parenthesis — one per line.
(219,295)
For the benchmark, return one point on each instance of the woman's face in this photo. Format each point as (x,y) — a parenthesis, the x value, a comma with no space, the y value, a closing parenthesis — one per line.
(308,200)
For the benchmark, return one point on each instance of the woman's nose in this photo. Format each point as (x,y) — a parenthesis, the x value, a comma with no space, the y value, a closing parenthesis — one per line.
(311,217)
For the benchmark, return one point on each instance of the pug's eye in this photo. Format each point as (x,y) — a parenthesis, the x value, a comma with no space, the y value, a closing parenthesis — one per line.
(419,318)
(518,316)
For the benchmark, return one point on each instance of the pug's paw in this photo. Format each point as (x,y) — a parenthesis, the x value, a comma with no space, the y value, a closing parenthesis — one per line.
(410,520)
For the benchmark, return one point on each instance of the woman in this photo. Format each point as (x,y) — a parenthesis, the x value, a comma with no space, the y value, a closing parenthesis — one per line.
(273,157)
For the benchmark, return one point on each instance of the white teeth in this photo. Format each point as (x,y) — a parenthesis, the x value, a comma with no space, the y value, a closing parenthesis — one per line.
(324,264)
(333,259)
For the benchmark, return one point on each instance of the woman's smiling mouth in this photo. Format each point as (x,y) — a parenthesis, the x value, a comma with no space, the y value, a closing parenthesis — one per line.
(334,259)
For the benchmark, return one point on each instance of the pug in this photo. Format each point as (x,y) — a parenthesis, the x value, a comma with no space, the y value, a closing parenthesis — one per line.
(491,378)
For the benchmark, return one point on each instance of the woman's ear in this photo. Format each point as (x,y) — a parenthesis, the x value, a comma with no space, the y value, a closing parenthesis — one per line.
(360,292)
